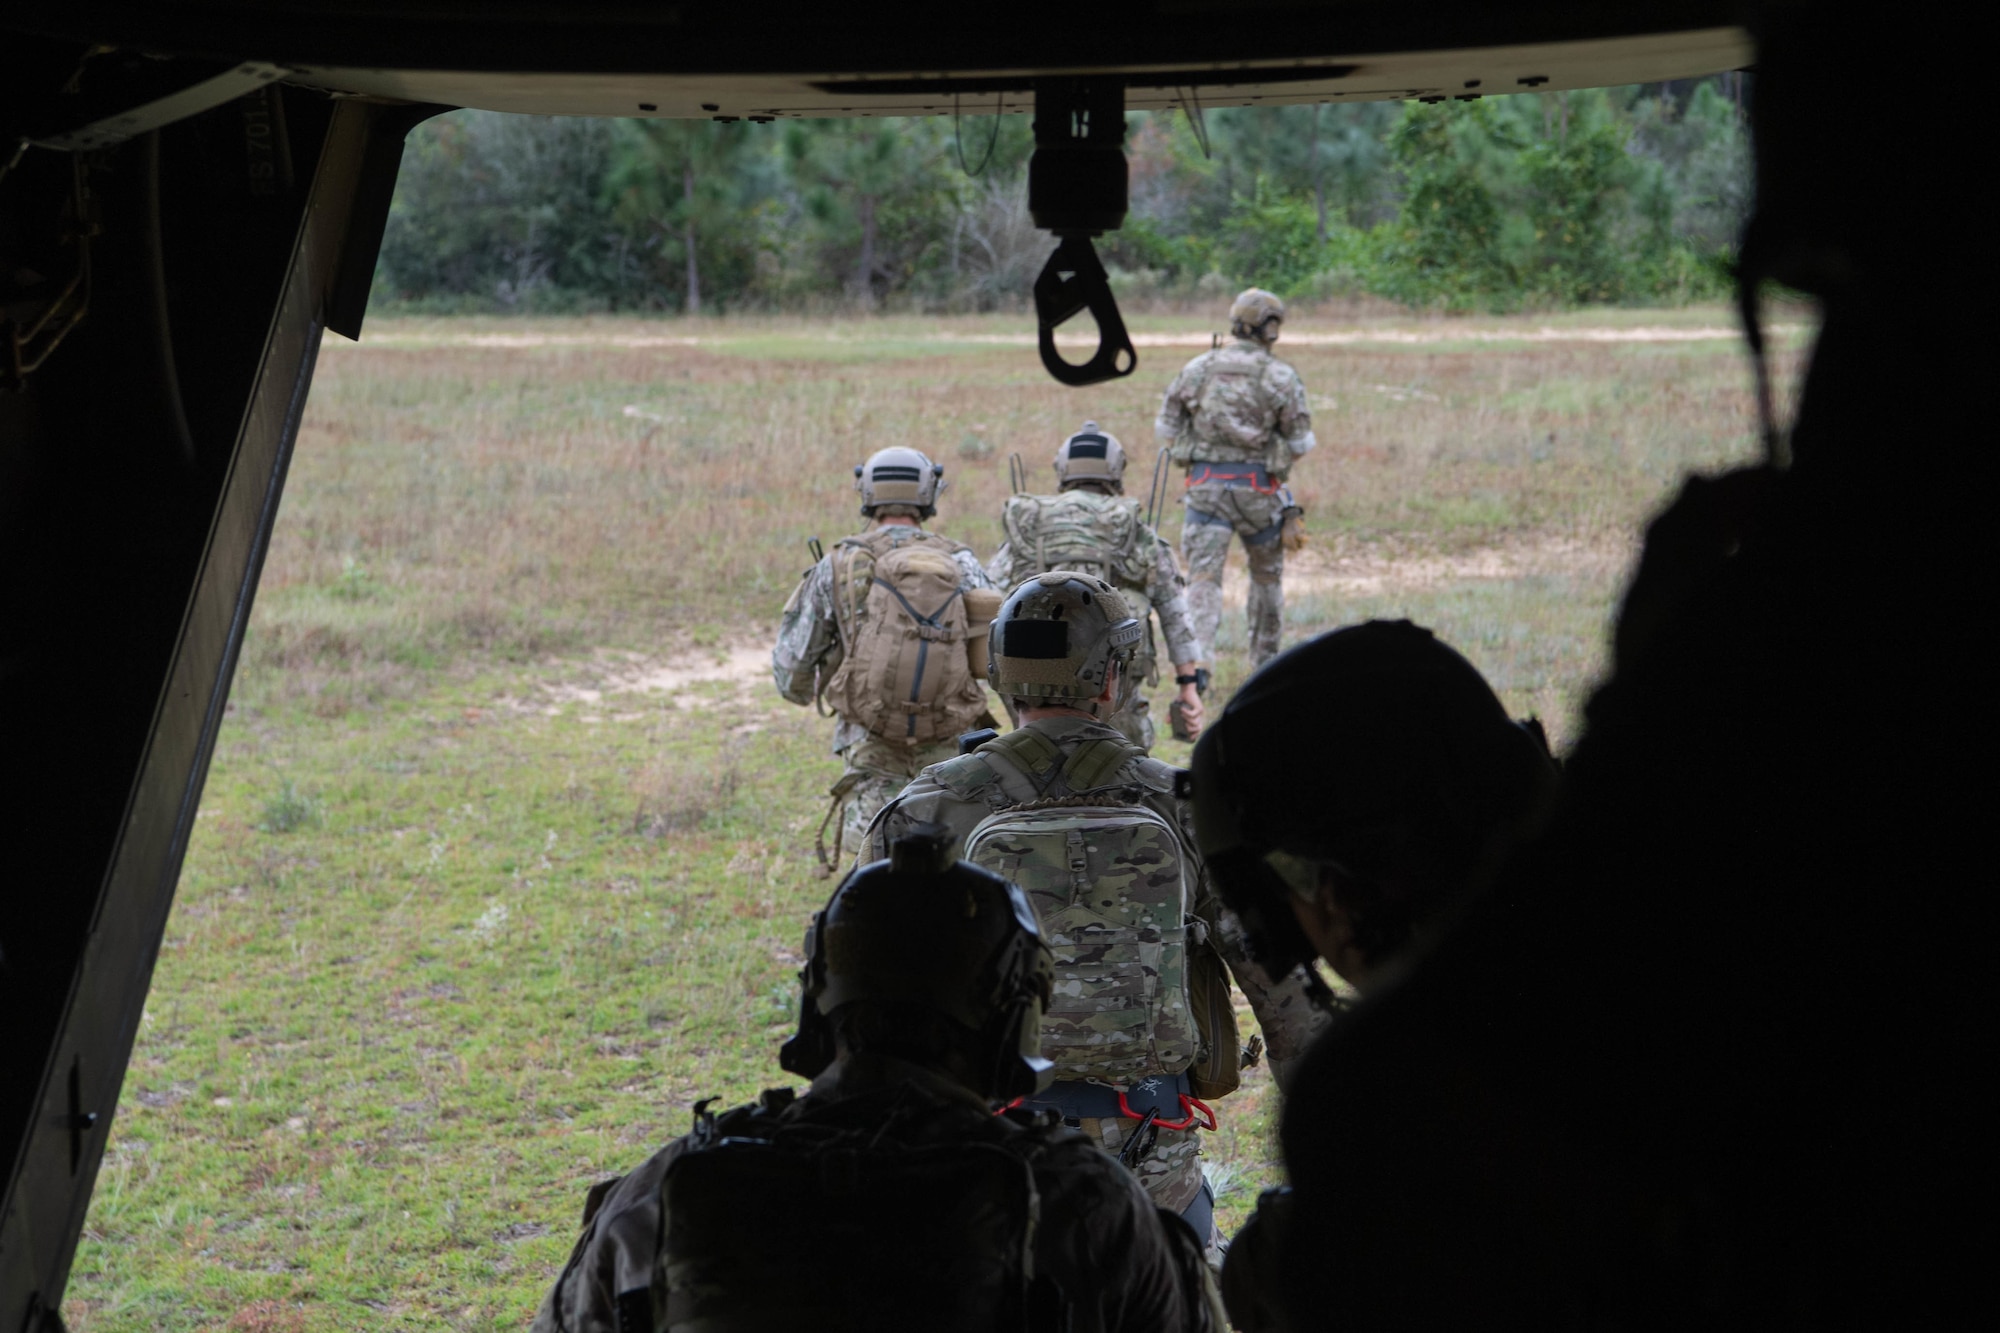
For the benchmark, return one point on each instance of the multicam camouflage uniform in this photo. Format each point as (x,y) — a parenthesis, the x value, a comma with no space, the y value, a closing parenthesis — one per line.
(810,648)
(962,792)
(1104,535)
(1236,418)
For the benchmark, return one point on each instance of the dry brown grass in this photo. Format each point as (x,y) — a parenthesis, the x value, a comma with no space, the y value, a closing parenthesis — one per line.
(437,965)
(456,500)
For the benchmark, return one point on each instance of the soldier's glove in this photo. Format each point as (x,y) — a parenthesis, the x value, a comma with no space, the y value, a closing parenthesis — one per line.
(1294,535)
(1294,515)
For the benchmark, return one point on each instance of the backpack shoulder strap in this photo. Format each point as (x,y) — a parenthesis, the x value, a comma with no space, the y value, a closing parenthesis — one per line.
(1092,764)
(1026,749)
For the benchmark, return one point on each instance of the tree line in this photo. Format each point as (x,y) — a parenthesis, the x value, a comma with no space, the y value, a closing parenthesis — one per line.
(1535,200)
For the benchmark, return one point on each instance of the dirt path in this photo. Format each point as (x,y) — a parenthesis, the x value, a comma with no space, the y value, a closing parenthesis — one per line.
(1368,570)
(610,684)
(618,686)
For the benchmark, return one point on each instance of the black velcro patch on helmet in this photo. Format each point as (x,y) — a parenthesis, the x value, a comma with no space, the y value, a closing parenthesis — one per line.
(1043,639)
(894,473)
(1088,446)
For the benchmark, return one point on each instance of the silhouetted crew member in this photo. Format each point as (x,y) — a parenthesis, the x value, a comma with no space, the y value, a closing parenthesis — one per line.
(893,1194)
(1236,419)
(1352,792)
(888,629)
(1091,526)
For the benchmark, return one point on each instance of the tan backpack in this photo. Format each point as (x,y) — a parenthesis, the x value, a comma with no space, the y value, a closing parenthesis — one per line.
(903,628)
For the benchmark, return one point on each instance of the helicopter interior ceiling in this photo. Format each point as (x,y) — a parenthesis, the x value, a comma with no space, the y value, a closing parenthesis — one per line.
(1334,75)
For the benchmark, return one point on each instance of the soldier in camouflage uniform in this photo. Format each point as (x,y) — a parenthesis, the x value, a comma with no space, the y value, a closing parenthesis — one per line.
(830,611)
(1142,1027)
(1236,419)
(1091,526)
(897,1192)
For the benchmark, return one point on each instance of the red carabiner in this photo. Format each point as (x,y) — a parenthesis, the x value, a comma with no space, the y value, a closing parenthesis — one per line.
(1196,1114)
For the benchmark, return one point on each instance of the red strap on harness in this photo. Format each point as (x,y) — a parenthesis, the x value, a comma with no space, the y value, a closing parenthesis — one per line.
(1224,472)
(1195,1114)
(1003,1110)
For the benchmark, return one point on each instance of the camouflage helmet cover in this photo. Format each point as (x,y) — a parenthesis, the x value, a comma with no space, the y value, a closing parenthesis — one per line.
(1092,454)
(898,475)
(923,929)
(1253,312)
(1057,635)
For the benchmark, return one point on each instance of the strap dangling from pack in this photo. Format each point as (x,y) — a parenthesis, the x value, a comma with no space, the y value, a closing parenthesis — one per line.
(839,793)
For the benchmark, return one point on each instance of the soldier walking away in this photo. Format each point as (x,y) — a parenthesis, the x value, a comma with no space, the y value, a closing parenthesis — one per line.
(1142,1028)
(1351,794)
(1091,526)
(1236,420)
(888,630)
(896,1193)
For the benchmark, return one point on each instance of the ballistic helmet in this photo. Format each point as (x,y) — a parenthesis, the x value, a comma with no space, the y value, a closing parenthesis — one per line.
(1056,637)
(1256,314)
(923,932)
(1092,454)
(1375,752)
(899,476)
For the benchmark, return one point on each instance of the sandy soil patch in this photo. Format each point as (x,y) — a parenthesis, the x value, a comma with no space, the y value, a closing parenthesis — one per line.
(611,684)
(1357,569)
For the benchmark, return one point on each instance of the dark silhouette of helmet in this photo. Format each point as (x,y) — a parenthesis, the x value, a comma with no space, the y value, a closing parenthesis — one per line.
(922,934)
(1374,750)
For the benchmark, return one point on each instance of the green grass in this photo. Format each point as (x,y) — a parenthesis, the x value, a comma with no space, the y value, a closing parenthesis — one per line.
(472,915)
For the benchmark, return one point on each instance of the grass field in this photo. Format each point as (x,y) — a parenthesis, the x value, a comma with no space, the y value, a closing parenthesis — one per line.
(505,854)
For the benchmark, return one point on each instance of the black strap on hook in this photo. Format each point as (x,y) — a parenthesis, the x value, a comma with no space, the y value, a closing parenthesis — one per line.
(1190,101)
(992,138)
(1074,281)
(1750,273)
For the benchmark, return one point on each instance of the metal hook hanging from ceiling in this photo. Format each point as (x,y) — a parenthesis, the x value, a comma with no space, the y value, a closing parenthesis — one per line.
(1077,189)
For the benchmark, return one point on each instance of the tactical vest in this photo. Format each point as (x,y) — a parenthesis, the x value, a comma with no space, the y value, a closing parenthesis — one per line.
(904,673)
(1232,414)
(1080,530)
(773,1226)
(1114,885)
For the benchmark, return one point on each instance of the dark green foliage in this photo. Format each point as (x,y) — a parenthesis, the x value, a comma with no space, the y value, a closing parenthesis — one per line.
(1444,247)
(1539,200)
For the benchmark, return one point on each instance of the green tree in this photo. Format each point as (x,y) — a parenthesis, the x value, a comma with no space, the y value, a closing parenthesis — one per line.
(679,184)
(878,189)
(1445,247)
(1576,185)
